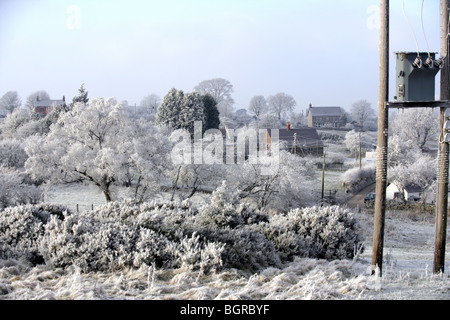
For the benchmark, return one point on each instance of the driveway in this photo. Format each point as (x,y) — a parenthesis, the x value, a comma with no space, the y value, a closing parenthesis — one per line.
(358,199)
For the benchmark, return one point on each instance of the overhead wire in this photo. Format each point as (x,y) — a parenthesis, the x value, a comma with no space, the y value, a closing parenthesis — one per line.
(410,26)
(429,61)
(423,29)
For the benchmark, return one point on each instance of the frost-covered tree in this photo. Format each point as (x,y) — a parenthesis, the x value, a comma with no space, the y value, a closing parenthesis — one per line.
(150,103)
(361,111)
(416,127)
(280,104)
(258,106)
(192,110)
(10,101)
(181,110)
(169,111)
(279,191)
(423,173)
(353,140)
(220,89)
(81,97)
(99,145)
(149,159)
(84,145)
(297,119)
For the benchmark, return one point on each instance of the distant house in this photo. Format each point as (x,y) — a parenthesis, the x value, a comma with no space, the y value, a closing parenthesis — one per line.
(412,192)
(302,141)
(44,107)
(326,117)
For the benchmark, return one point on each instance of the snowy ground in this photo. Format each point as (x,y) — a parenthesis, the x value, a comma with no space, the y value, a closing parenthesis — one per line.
(407,273)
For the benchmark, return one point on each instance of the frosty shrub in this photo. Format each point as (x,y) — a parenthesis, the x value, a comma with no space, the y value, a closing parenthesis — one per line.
(221,234)
(12,153)
(16,190)
(226,211)
(355,179)
(224,233)
(317,232)
(22,227)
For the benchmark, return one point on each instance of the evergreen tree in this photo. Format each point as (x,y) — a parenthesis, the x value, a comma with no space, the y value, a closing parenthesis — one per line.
(81,97)
(191,111)
(180,110)
(211,112)
(169,111)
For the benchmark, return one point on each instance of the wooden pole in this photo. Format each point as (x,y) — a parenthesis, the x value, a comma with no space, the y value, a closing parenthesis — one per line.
(360,160)
(383,114)
(323,177)
(442,201)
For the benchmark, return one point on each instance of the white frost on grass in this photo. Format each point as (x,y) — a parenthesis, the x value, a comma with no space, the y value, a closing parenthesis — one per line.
(407,274)
(302,279)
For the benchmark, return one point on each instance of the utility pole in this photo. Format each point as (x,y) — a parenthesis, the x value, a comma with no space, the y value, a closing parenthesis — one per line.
(323,177)
(383,114)
(442,201)
(360,160)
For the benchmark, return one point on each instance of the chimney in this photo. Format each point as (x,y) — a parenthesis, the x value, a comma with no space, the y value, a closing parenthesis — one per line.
(37,98)
(310,105)
(64,98)
(288,125)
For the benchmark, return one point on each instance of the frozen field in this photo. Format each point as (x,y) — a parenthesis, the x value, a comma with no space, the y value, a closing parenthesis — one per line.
(407,273)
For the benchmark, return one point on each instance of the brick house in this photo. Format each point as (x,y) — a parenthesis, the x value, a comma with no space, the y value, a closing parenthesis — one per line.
(326,117)
(44,107)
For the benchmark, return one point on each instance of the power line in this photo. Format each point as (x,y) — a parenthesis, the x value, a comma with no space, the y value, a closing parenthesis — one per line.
(424,33)
(418,61)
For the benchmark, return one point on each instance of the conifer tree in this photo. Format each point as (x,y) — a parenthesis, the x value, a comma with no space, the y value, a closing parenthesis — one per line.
(191,111)
(170,108)
(211,112)
(81,97)
(180,110)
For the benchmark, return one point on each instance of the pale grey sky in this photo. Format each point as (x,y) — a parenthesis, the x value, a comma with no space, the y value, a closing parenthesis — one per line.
(323,52)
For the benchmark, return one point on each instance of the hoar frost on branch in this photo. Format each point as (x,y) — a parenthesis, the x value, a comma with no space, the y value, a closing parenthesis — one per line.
(98,144)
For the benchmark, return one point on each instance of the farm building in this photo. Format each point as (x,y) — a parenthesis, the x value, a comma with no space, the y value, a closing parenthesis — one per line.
(301,141)
(326,117)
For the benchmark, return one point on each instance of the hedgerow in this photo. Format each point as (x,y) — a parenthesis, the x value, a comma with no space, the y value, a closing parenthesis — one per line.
(223,233)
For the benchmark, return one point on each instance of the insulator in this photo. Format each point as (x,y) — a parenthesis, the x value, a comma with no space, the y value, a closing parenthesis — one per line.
(417,63)
(429,63)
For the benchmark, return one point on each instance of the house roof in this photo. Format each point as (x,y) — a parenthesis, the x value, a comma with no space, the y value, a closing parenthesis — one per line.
(412,188)
(48,103)
(326,111)
(307,137)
